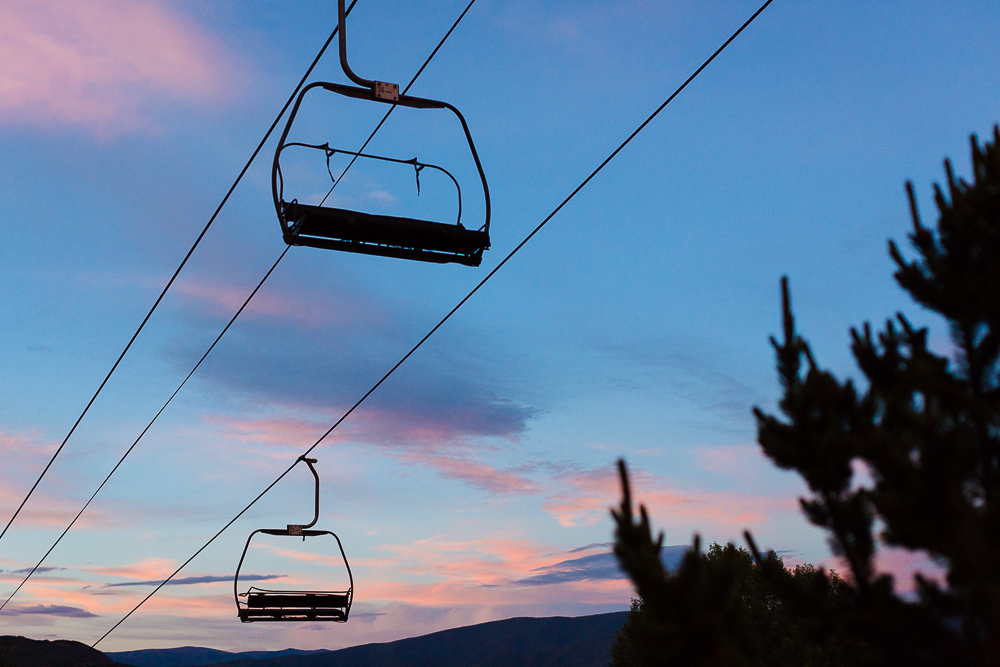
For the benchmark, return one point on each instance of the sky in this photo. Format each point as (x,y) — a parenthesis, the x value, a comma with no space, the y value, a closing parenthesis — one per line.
(475,483)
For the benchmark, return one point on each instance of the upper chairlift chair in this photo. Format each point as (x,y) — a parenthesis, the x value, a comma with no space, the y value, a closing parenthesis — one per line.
(353,231)
(260,604)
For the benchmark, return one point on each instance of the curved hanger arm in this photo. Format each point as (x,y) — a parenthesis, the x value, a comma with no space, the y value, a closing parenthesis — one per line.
(342,29)
(236,579)
(276,165)
(350,577)
(309,462)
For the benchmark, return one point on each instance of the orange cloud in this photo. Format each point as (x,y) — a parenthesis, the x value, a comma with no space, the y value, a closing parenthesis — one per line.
(95,62)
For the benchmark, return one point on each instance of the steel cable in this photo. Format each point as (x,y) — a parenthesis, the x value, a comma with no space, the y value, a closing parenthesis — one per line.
(246,302)
(170,282)
(399,363)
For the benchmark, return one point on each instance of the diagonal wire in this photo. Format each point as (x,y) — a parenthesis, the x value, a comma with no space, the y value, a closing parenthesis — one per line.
(520,245)
(172,278)
(405,90)
(233,319)
(148,426)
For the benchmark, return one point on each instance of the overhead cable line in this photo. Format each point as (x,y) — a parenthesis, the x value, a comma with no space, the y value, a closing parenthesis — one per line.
(437,326)
(145,430)
(170,282)
(236,315)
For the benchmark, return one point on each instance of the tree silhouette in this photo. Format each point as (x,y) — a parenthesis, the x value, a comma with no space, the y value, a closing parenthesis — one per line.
(722,607)
(927,428)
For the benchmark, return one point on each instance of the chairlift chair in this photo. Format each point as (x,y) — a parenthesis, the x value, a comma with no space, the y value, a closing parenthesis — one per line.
(332,228)
(260,604)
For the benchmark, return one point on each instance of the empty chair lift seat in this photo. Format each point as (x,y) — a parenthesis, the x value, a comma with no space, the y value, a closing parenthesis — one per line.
(390,236)
(259,604)
(267,605)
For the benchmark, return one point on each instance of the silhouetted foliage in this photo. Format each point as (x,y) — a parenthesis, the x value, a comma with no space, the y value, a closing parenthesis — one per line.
(721,607)
(622,654)
(927,428)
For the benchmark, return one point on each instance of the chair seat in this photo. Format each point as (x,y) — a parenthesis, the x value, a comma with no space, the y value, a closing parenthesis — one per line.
(391,236)
(297,600)
(278,614)
(295,606)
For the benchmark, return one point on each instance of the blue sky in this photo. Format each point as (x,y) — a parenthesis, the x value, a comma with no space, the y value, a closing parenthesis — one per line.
(635,324)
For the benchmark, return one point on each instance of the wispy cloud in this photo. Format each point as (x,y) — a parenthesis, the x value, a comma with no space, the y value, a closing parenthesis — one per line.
(382,197)
(206,579)
(477,473)
(20,443)
(48,610)
(588,568)
(288,365)
(40,570)
(96,63)
(595,567)
(308,309)
(147,568)
(697,379)
(22,456)
(586,495)
(434,447)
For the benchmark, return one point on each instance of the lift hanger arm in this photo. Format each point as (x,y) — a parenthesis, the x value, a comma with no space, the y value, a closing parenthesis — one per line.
(383,90)
(341,27)
(294,529)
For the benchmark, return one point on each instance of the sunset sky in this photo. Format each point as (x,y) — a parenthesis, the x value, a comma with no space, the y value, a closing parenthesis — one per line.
(474,485)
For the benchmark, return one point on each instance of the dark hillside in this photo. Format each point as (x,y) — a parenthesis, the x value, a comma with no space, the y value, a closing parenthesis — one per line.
(515,642)
(24,652)
(193,656)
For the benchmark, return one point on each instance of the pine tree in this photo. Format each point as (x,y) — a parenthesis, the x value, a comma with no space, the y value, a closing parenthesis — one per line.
(926,426)
(722,607)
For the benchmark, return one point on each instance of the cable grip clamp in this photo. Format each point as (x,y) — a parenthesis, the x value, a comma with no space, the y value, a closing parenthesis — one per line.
(386,91)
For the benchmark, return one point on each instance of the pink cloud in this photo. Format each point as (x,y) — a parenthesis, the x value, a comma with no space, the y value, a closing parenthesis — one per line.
(419,587)
(902,564)
(276,431)
(476,473)
(398,426)
(308,310)
(428,445)
(456,593)
(17,444)
(23,455)
(146,569)
(116,603)
(587,494)
(94,63)
(732,460)
(490,561)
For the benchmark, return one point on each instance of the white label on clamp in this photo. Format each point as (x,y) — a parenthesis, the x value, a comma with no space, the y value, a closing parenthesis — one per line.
(294,530)
(387,91)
